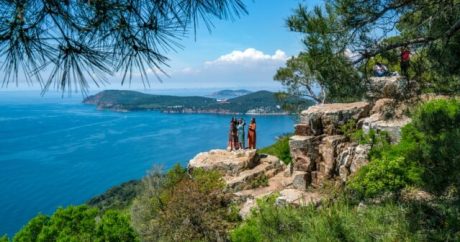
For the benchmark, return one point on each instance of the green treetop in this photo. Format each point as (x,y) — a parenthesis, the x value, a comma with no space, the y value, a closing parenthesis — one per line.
(343,37)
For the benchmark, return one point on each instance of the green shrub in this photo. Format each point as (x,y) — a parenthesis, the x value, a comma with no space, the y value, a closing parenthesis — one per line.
(115,226)
(436,132)
(32,229)
(78,223)
(208,180)
(428,154)
(385,175)
(379,140)
(279,149)
(332,222)
(4,238)
(180,206)
(349,128)
(439,219)
(117,197)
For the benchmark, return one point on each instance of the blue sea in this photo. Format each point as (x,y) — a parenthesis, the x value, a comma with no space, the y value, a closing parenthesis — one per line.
(58,152)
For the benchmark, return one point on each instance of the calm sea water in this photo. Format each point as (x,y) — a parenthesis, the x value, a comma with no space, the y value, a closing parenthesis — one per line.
(58,153)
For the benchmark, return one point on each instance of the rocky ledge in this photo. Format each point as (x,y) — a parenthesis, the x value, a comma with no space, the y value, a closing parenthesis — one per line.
(243,168)
(319,149)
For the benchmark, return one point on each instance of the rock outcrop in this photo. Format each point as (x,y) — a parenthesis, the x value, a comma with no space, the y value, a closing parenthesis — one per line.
(327,118)
(391,126)
(229,163)
(321,152)
(243,168)
(387,87)
(319,143)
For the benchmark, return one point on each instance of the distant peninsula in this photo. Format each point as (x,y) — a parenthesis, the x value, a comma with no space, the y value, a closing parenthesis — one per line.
(253,103)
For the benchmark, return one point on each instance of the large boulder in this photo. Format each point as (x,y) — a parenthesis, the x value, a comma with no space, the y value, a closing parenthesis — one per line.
(228,162)
(327,118)
(387,87)
(392,126)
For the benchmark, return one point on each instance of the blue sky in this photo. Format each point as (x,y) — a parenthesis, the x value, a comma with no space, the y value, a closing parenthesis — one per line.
(243,53)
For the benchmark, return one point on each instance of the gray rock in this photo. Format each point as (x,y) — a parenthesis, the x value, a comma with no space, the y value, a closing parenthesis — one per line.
(360,157)
(392,126)
(327,118)
(386,87)
(227,162)
(351,160)
(297,197)
(289,170)
(300,180)
(245,210)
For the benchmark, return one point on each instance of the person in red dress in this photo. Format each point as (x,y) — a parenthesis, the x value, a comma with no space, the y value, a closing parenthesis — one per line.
(405,61)
(252,134)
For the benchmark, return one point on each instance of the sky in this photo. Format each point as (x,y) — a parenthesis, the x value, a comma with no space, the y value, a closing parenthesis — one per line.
(243,53)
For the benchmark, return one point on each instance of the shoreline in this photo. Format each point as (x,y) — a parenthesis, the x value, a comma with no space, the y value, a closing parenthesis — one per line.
(122,110)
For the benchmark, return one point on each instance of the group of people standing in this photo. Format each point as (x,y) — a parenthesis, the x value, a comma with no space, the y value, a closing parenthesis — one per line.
(381,70)
(236,136)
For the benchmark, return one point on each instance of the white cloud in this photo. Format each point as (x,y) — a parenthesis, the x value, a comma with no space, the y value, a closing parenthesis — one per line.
(250,55)
(249,68)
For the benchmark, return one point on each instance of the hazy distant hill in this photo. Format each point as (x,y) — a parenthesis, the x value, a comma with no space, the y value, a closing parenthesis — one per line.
(260,102)
(227,94)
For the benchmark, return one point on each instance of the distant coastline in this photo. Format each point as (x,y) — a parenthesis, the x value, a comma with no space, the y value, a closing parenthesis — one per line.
(248,103)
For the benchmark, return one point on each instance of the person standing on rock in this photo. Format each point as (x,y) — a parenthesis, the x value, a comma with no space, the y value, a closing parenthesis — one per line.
(405,61)
(235,134)
(252,134)
(231,143)
(240,128)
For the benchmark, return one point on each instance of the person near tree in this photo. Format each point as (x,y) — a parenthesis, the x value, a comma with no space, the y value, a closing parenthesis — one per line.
(405,61)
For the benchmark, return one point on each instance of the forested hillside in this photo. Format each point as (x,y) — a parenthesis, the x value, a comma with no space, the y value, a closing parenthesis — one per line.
(260,102)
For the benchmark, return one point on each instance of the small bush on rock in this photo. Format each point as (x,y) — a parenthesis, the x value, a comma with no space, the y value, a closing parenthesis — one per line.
(279,149)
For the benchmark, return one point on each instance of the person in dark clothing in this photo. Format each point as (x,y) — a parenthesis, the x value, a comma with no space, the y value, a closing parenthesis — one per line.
(231,135)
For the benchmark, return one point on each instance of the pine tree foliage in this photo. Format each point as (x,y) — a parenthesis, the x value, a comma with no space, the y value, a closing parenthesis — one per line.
(78,42)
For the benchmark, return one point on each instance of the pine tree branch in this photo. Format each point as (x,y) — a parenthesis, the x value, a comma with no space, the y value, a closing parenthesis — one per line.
(380,49)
